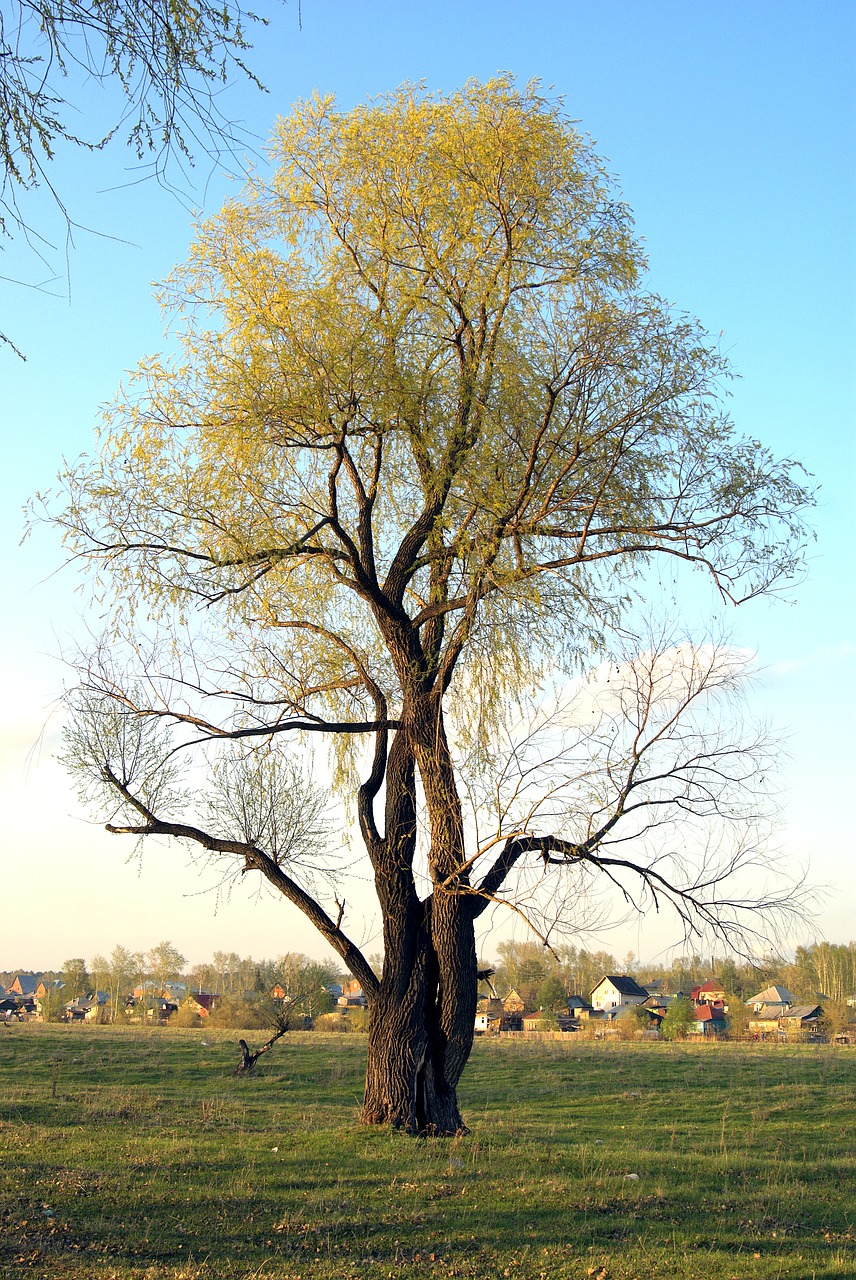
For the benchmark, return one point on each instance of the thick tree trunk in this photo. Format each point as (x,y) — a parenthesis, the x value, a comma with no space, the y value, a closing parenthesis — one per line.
(422,1017)
(421,1029)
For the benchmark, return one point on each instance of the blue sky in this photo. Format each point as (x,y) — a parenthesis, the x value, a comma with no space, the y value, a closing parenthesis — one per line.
(731,128)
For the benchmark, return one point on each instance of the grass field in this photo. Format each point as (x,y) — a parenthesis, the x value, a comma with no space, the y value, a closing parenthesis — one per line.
(135,1154)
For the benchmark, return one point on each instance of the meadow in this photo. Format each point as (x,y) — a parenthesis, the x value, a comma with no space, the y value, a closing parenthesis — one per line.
(134,1155)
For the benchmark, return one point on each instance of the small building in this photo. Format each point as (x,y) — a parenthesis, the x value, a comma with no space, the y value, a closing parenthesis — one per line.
(801,1020)
(616,990)
(48,988)
(657,1003)
(88,1008)
(578,1007)
(23,984)
(11,1008)
(710,992)
(507,1011)
(765,1021)
(769,997)
(489,1016)
(161,1010)
(352,997)
(538,1020)
(144,991)
(710,1020)
(175,992)
(201,1002)
(513,1002)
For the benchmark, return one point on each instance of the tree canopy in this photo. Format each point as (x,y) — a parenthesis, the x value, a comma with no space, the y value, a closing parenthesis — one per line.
(426,433)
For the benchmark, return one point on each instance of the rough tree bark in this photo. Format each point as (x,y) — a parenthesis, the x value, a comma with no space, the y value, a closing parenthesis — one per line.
(422,1016)
(422,1025)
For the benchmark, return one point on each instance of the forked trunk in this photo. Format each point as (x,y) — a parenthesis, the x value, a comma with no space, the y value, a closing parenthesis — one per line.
(421,1028)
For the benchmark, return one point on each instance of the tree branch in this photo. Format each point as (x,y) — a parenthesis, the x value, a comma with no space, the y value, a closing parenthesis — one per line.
(254,859)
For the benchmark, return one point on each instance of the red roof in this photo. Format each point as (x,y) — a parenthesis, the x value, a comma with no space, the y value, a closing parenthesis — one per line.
(707,988)
(706,1013)
(205,999)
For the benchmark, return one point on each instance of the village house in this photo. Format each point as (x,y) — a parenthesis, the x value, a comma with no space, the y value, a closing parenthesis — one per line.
(765,1020)
(352,998)
(801,1020)
(494,1015)
(11,1008)
(513,1002)
(175,992)
(201,1002)
(710,1020)
(23,984)
(489,1015)
(657,1003)
(86,1008)
(578,1007)
(45,989)
(616,990)
(770,997)
(711,992)
(537,1020)
(144,990)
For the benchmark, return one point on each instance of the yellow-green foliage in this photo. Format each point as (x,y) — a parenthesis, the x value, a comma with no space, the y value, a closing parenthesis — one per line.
(432,305)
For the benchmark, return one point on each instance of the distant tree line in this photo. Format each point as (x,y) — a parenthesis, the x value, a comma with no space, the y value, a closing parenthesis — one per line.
(544,978)
(239,980)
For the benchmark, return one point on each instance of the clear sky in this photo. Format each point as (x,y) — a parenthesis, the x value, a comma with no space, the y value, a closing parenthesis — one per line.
(731,128)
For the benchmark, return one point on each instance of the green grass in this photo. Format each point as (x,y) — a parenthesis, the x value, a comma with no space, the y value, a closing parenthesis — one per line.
(135,1154)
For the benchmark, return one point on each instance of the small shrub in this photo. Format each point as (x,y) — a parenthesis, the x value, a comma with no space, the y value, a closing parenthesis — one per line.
(235,1012)
(359,1019)
(338,1021)
(679,1020)
(187,1015)
(631,1021)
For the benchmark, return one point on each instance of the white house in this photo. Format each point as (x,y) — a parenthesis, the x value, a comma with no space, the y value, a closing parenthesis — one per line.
(775,995)
(615,990)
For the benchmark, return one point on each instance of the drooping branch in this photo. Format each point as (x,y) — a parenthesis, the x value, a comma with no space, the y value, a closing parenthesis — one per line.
(656,765)
(254,859)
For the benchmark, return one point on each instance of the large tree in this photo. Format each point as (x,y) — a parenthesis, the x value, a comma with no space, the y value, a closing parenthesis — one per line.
(426,434)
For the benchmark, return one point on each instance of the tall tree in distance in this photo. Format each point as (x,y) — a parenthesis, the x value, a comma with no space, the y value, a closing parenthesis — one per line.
(166,964)
(427,433)
(76,980)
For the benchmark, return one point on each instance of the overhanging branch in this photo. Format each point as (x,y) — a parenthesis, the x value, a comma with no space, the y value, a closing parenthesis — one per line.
(255,859)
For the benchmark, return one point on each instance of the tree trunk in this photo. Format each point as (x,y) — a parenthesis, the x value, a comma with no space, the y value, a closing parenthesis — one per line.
(421,1028)
(422,1017)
